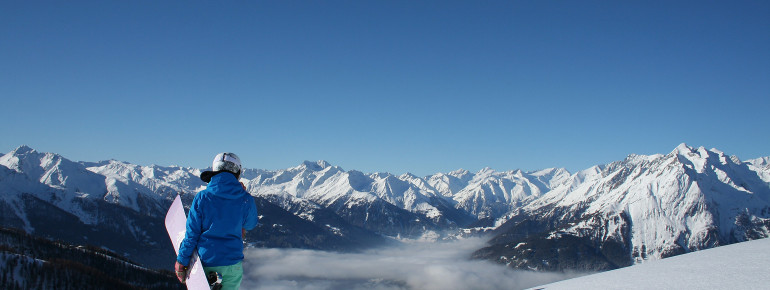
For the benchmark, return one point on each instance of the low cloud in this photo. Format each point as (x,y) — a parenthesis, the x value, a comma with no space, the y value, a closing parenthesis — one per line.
(418,265)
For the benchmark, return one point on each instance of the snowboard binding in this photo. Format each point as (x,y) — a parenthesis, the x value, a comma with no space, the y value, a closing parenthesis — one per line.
(215,280)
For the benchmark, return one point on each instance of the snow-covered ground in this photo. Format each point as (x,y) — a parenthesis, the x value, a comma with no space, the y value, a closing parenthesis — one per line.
(738,266)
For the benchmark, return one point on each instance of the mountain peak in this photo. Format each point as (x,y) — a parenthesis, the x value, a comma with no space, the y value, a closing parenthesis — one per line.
(683,149)
(323,163)
(459,172)
(23,149)
(408,175)
(315,166)
(23,152)
(486,171)
(549,171)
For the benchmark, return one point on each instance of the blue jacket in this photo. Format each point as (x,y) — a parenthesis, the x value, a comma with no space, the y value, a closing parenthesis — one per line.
(217,215)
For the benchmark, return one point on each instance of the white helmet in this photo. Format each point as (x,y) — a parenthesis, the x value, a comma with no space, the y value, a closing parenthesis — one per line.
(225,161)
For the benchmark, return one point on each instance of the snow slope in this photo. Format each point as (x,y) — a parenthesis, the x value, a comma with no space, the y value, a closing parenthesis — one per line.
(737,266)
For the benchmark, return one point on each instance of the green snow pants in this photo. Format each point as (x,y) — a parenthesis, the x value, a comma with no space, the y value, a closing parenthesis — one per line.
(231,275)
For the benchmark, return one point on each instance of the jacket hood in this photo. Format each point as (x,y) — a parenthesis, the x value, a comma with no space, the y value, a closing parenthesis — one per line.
(225,185)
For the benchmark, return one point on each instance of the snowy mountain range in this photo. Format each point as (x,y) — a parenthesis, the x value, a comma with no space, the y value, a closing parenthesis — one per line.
(644,207)
(641,208)
(404,205)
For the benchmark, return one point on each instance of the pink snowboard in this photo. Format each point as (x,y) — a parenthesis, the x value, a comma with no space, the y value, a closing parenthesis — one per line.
(176,226)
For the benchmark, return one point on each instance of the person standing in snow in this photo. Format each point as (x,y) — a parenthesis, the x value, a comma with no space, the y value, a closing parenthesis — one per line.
(219,217)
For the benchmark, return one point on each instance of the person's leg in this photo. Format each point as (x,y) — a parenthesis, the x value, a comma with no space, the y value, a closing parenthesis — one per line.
(231,275)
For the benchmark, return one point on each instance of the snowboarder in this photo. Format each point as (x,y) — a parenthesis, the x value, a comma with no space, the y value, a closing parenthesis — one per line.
(219,217)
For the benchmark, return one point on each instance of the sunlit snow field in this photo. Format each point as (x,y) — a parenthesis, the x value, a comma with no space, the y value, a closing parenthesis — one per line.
(738,266)
(416,265)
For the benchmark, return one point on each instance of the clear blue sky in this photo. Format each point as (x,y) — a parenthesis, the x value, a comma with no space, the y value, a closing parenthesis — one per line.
(384,86)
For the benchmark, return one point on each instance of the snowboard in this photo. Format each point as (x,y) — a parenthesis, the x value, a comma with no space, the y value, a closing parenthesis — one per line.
(176,223)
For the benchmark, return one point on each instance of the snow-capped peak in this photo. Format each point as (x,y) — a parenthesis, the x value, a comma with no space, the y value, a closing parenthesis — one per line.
(760,162)
(485,172)
(683,149)
(23,149)
(313,166)
(13,158)
(459,172)
(407,176)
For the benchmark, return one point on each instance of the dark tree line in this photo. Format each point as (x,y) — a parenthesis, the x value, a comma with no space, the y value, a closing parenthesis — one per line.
(30,262)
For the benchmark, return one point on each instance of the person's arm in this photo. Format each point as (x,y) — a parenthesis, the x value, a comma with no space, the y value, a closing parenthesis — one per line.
(193,233)
(250,220)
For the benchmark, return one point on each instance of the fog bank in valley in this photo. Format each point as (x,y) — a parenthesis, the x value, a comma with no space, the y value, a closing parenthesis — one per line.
(415,265)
